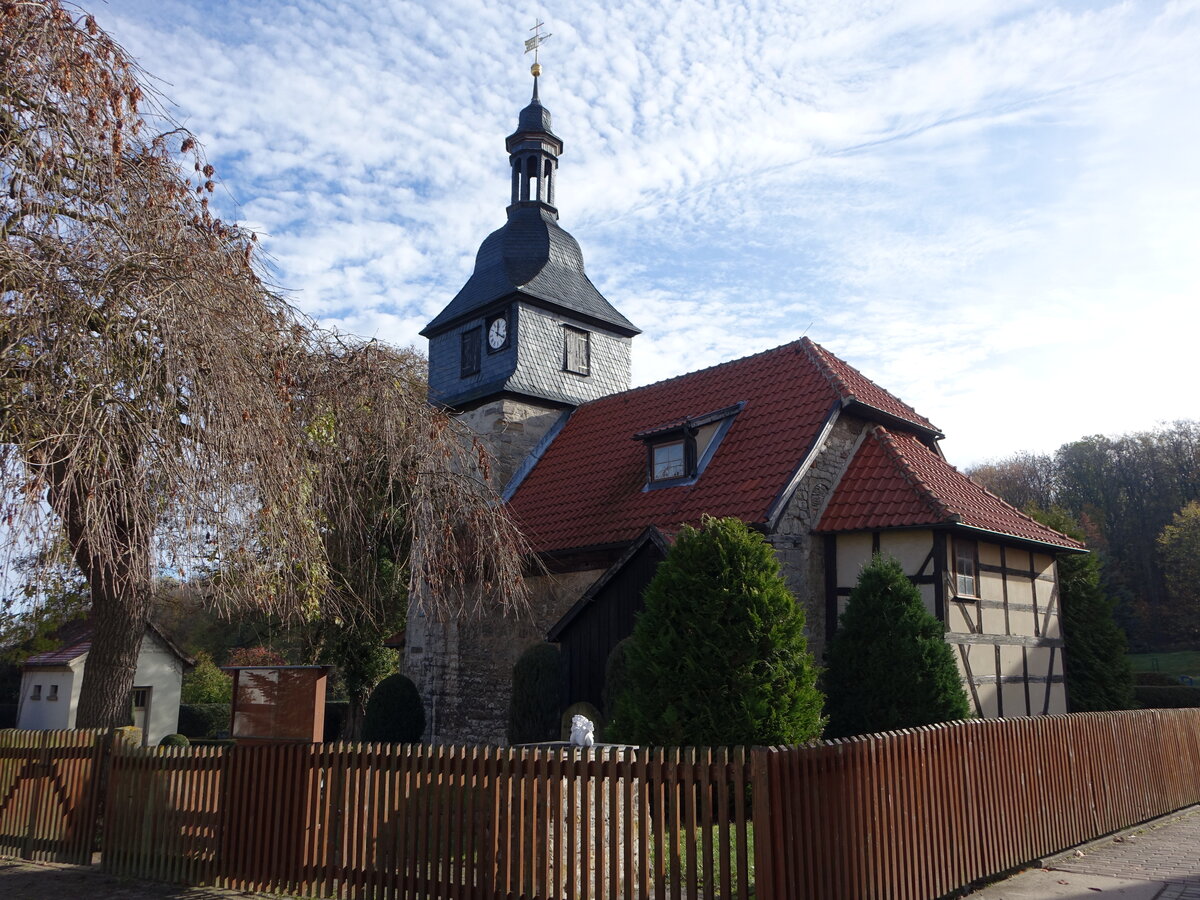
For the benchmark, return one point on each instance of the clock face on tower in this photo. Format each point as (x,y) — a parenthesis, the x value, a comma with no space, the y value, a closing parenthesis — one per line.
(497,333)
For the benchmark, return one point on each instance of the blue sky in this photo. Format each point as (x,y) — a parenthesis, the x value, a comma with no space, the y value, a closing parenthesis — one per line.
(991,208)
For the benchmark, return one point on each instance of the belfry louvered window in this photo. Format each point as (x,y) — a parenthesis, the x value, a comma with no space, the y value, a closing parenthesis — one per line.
(472,341)
(577,351)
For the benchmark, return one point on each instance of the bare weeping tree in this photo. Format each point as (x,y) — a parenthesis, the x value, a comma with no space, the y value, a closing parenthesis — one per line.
(162,407)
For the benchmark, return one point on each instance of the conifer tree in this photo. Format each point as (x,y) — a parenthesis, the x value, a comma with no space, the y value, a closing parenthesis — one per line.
(718,656)
(1099,676)
(889,664)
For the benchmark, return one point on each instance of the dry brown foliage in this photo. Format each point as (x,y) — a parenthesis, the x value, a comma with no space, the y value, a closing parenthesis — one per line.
(161,405)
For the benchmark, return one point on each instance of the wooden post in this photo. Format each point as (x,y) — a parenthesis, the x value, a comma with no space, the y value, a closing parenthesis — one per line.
(760,781)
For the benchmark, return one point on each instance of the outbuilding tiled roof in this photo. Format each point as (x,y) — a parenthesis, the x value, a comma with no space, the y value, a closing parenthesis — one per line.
(587,489)
(63,656)
(895,481)
(76,640)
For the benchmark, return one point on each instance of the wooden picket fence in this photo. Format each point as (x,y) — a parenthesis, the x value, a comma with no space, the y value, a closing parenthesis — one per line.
(50,788)
(921,813)
(913,814)
(412,821)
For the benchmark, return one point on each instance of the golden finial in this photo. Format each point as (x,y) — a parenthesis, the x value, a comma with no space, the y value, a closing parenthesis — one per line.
(533,43)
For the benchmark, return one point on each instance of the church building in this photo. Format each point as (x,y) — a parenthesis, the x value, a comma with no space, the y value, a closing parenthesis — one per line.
(826,464)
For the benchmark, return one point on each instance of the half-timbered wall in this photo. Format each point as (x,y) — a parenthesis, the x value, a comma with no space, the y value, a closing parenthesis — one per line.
(1007,636)
(1008,640)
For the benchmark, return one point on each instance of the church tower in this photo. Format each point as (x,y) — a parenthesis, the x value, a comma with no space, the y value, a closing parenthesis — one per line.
(528,336)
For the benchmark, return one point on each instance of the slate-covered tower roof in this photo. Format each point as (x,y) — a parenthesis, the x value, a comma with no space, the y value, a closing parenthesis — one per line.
(529,274)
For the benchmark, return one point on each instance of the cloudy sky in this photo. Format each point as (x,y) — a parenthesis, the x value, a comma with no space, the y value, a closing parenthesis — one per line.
(991,207)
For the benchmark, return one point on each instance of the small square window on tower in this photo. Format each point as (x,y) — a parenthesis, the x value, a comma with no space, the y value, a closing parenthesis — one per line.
(577,351)
(472,341)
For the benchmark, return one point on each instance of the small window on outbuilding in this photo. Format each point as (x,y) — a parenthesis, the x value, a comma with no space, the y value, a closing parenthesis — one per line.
(53,694)
(472,340)
(37,692)
(966,568)
(577,351)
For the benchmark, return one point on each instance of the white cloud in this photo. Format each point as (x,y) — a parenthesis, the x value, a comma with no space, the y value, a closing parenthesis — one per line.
(991,208)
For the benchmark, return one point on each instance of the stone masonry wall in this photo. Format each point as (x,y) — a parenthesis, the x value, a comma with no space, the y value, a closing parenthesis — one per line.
(511,429)
(463,670)
(801,552)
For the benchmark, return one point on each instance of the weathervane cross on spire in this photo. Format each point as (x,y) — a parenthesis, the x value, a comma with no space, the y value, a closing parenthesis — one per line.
(534,43)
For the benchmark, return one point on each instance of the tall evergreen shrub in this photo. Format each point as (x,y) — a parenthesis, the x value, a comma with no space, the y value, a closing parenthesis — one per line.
(533,714)
(718,656)
(395,713)
(889,666)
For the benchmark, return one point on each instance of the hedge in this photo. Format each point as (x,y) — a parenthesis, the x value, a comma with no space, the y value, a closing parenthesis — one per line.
(1159,679)
(1173,697)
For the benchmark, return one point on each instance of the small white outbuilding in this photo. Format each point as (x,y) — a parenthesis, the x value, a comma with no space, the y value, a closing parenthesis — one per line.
(50,684)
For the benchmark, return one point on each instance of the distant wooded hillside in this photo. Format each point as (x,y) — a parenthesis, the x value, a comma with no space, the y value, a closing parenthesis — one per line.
(1125,491)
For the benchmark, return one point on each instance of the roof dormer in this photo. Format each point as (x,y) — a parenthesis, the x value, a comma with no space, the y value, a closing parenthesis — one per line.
(678,452)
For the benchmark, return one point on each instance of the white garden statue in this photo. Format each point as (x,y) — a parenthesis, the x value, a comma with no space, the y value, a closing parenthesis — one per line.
(582,731)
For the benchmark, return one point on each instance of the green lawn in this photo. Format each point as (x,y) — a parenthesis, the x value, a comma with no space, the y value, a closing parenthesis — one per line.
(1184,662)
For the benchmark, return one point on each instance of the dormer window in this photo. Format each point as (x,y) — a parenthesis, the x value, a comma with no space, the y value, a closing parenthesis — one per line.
(678,452)
(668,460)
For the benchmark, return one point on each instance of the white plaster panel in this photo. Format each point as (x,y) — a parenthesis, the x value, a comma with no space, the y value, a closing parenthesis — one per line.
(990,586)
(1039,660)
(956,616)
(46,714)
(1042,563)
(1058,699)
(1020,590)
(929,598)
(989,700)
(908,547)
(1014,700)
(989,554)
(853,552)
(1017,559)
(993,621)
(1052,623)
(1012,661)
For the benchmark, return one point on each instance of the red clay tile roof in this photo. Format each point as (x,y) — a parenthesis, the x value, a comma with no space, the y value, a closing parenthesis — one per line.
(852,385)
(587,488)
(895,480)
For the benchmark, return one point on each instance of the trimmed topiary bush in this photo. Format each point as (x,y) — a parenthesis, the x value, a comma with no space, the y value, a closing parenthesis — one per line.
(718,656)
(174,740)
(533,712)
(335,718)
(582,708)
(395,714)
(203,720)
(889,664)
